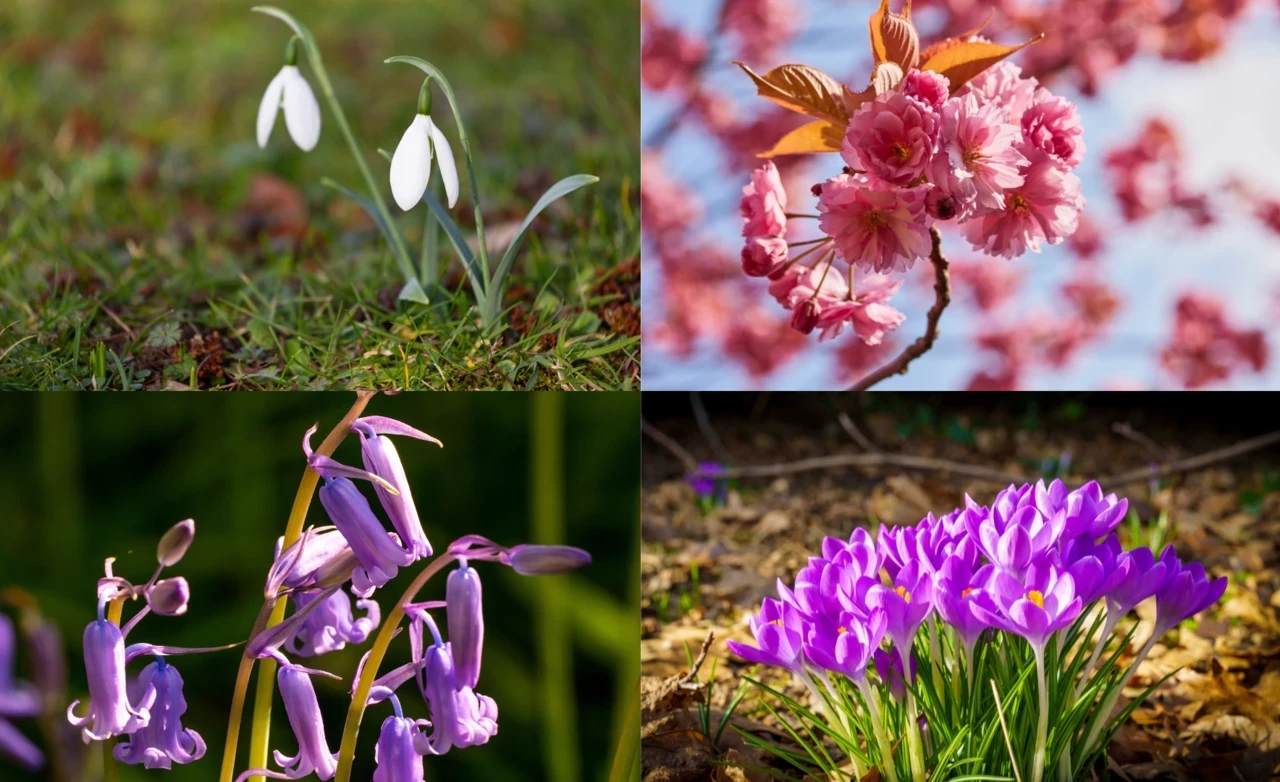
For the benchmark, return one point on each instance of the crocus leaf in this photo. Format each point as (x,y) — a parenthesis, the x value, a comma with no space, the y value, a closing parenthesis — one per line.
(412,291)
(817,136)
(452,231)
(387,228)
(803,89)
(964,60)
(558,190)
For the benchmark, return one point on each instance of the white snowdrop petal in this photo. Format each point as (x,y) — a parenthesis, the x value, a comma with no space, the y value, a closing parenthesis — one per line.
(270,107)
(411,164)
(301,111)
(448,169)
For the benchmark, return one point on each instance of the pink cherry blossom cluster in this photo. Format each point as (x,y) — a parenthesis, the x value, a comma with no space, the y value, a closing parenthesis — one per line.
(1206,348)
(996,158)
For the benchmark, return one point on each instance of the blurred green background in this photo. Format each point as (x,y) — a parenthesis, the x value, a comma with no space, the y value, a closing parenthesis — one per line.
(84,477)
(131,181)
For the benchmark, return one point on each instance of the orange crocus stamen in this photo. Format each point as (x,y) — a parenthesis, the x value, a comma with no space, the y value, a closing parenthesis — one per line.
(1036,597)
(903,593)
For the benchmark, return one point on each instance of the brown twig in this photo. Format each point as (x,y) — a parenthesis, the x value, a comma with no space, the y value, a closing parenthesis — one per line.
(942,297)
(697,663)
(671,445)
(1192,462)
(905,461)
(1126,430)
(851,429)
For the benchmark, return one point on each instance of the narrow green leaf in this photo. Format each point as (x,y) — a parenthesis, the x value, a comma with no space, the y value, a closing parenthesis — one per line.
(459,243)
(412,291)
(558,190)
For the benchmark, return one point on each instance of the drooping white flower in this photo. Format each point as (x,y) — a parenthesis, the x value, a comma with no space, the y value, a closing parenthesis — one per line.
(290,91)
(411,164)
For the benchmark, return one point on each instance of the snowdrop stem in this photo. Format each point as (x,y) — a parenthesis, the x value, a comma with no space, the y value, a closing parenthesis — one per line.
(430,262)
(424,97)
(398,247)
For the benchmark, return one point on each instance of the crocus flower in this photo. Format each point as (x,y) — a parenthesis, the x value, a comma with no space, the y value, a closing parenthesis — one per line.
(844,643)
(1013,532)
(17,699)
(1145,577)
(411,163)
(704,482)
(162,741)
(1187,592)
(290,91)
(1045,604)
(906,605)
(396,757)
(1096,568)
(466,623)
(331,625)
(381,459)
(957,589)
(303,710)
(110,711)
(889,669)
(779,633)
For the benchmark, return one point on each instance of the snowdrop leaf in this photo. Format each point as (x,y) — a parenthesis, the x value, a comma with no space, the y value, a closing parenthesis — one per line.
(558,190)
(803,89)
(368,206)
(817,136)
(412,291)
(962,61)
(455,238)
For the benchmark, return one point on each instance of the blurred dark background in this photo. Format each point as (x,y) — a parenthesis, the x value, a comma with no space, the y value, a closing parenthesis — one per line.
(87,477)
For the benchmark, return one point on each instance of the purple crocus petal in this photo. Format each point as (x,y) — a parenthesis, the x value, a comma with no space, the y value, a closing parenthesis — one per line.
(1013,549)
(381,458)
(1088,572)
(466,623)
(535,560)
(397,760)
(303,710)
(1031,621)
(18,748)
(1146,577)
(379,555)
(889,669)
(110,712)
(163,741)
(1186,593)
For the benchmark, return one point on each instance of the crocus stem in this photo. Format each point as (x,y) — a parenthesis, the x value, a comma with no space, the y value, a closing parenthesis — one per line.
(1042,727)
(886,766)
(935,655)
(360,698)
(915,742)
(1107,627)
(275,614)
(1100,718)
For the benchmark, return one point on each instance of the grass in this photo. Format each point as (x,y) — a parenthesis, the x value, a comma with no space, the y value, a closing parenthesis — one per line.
(151,244)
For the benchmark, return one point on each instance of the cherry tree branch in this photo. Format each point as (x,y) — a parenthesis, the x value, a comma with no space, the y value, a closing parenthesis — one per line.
(942,297)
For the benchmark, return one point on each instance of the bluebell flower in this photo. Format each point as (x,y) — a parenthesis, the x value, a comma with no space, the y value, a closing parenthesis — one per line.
(162,741)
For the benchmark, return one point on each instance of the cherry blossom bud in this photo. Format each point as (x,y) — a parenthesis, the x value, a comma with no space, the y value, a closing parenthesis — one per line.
(805,317)
(173,546)
(168,597)
(901,41)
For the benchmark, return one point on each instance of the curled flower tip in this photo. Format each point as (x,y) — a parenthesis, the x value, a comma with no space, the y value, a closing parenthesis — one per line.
(372,425)
(330,469)
(535,560)
(163,741)
(168,597)
(175,542)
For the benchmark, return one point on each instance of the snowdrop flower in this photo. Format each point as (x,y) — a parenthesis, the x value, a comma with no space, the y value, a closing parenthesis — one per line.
(411,164)
(290,91)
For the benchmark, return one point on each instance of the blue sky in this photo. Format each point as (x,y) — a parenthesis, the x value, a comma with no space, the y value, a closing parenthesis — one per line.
(1228,123)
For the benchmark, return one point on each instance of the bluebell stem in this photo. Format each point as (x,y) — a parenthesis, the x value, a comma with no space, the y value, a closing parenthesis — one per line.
(398,760)
(466,622)
(110,710)
(17,699)
(162,741)
(382,459)
(379,553)
(331,626)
